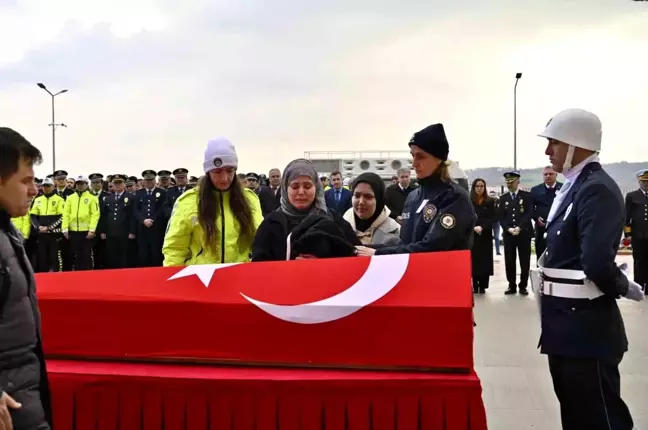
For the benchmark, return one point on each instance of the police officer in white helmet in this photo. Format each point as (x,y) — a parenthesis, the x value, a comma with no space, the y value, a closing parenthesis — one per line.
(579,282)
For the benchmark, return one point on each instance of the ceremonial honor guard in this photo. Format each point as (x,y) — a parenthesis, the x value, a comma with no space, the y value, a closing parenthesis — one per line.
(579,282)
(543,197)
(515,212)
(117,223)
(150,214)
(636,228)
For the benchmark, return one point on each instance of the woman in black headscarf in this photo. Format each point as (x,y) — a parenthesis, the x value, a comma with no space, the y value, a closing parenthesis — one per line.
(302,199)
(368,214)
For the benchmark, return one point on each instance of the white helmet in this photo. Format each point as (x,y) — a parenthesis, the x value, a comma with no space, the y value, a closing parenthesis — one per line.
(81,178)
(577,128)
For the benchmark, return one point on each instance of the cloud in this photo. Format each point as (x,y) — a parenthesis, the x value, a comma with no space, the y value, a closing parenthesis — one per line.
(280,78)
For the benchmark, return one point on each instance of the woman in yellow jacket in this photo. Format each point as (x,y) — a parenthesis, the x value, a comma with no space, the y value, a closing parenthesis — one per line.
(216,221)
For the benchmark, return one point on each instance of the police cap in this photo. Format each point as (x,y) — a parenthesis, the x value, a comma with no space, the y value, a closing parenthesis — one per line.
(95,177)
(253,176)
(511,176)
(81,178)
(164,174)
(48,182)
(149,175)
(132,180)
(60,174)
(193,179)
(119,178)
(181,172)
(38,181)
(642,175)
(50,176)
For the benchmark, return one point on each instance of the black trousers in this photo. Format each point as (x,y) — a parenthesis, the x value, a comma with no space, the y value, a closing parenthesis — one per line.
(480,283)
(81,250)
(640,257)
(66,254)
(117,252)
(149,246)
(99,253)
(589,392)
(49,252)
(521,246)
(540,241)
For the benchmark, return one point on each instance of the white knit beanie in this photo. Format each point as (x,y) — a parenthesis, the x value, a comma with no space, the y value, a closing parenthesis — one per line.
(219,153)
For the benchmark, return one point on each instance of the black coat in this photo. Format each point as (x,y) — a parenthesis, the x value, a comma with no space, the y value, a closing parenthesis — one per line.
(270,239)
(482,248)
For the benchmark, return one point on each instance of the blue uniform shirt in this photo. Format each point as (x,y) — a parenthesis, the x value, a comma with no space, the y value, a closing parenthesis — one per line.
(585,235)
(437,216)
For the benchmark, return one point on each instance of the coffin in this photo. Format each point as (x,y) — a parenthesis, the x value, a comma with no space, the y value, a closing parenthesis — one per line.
(385,312)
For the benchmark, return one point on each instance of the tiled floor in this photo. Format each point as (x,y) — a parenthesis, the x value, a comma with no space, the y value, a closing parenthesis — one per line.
(517,387)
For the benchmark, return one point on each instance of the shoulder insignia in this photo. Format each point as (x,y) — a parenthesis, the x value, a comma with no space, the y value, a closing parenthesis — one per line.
(429,212)
(448,221)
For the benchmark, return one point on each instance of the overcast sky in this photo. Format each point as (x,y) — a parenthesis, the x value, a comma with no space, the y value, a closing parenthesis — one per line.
(151,81)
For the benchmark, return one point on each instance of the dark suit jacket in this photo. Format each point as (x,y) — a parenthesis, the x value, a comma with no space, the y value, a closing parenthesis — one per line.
(269,200)
(343,205)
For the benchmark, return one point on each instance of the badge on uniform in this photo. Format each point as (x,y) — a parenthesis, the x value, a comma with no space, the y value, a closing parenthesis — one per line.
(54,203)
(157,195)
(448,221)
(194,220)
(126,200)
(506,204)
(429,212)
(85,201)
(521,207)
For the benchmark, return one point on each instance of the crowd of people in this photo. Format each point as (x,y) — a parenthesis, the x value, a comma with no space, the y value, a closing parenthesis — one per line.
(224,217)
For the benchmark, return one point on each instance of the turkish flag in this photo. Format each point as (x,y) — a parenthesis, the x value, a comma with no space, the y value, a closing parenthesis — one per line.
(397,311)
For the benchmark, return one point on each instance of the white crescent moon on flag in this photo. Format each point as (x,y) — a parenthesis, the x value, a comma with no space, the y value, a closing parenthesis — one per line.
(382,275)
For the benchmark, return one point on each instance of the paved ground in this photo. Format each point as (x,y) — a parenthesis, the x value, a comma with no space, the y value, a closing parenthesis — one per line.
(517,387)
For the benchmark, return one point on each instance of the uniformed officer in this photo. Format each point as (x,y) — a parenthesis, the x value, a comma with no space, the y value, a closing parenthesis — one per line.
(117,223)
(543,197)
(80,219)
(164,177)
(151,214)
(582,329)
(193,181)
(515,212)
(96,184)
(177,190)
(636,227)
(61,178)
(437,216)
(131,184)
(47,217)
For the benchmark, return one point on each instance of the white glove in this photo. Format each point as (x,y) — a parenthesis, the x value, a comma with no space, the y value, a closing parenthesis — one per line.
(511,230)
(516,231)
(478,229)
(634,292)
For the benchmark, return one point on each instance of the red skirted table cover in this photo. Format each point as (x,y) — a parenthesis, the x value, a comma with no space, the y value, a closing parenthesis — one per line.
(392,312)
(137,396)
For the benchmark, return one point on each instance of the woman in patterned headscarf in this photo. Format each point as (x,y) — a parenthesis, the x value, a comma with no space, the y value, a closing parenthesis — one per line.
(302,195)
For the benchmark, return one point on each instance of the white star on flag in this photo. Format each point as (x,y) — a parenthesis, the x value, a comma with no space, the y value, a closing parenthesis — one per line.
(204,272)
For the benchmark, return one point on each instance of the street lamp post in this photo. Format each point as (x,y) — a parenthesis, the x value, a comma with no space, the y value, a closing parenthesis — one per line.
(53,124)
(517,78)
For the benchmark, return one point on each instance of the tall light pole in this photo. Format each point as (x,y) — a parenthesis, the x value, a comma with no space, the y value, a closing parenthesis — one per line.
(53,124)
(517,78)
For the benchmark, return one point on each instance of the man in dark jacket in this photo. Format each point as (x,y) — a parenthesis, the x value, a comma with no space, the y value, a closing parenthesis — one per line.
(24,392)
(396,194)
(543,197)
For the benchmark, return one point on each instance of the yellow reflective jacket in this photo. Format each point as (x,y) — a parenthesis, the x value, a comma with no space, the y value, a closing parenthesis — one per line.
(23,224)
(81,212)
(47,211)
(184,240)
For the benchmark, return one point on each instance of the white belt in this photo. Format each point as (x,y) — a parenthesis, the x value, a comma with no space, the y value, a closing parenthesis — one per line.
(588,290)
(539,283)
